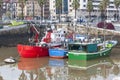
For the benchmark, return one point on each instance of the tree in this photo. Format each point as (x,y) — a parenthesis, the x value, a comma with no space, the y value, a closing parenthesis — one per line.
(75,5)
(89,8)
(22,5)
(102,11)
(117,4)
(42,3)
(103,6)
(0,8)
(59,7)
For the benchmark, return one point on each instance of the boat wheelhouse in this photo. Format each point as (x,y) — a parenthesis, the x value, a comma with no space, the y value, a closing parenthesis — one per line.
(87,51)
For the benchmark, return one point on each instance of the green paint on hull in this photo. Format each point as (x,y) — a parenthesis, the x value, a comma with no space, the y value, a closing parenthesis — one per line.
(88,56)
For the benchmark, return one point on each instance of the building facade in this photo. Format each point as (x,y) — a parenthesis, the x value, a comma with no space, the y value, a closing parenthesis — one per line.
(32,8)
(82,10)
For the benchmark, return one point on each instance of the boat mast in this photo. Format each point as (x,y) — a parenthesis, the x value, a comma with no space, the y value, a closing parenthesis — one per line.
(36,33)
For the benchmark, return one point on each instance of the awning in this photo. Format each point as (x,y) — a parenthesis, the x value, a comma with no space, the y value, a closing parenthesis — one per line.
(106,25)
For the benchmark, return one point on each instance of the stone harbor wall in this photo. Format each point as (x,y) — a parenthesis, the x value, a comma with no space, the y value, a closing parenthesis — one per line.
(12,37)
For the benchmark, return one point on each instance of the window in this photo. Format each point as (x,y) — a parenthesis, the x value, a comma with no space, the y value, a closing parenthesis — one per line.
(84,0)
(84,5)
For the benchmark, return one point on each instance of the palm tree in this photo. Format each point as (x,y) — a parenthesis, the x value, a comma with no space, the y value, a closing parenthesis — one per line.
(102,11)
(59,7)
(1,3)
(42,3)
(0,7)
(117,4)
(89,8)
(75,5)
(103,6)
(22,5)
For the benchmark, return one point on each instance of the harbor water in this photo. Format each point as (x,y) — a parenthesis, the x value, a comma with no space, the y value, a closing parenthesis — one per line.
(46,68)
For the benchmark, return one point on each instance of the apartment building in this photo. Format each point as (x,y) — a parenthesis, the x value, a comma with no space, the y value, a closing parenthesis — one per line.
(54,12)
(82,10)
(30,8)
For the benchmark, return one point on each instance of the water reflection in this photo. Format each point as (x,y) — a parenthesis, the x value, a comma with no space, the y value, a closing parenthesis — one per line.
(42,69)
(61,69)
(31,68)
(99,69)
(57,69)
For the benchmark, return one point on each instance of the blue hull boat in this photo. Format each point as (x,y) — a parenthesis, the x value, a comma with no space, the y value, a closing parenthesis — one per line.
(58,53)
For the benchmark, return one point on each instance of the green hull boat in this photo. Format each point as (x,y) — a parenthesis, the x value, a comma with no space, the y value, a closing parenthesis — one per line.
(88,51)
(87,56)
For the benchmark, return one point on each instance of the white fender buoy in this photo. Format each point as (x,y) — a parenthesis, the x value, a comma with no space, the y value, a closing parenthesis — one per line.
(10,60)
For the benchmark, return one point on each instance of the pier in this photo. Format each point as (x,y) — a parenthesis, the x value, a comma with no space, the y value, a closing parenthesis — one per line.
(15,35)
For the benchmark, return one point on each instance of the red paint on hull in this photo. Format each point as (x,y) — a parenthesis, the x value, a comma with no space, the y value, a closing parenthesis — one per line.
(28,51)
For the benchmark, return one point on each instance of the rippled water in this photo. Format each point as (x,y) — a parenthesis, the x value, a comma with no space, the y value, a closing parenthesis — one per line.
(59,69)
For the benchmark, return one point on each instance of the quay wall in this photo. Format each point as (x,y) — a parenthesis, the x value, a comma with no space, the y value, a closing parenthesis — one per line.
(14,36)
(11,37)
(94,31)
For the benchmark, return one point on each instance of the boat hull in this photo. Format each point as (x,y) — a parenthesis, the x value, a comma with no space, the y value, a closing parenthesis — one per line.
(57,53)
(28,51)
(88,56)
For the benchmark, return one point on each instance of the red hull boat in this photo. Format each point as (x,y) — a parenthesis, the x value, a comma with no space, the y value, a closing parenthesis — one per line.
(28,51)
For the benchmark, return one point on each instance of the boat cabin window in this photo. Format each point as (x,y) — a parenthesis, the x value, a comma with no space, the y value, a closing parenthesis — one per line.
(77,47)
(87,48)
(74,47)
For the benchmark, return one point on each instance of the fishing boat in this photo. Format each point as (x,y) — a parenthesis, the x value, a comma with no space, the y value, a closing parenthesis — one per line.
(34,48)
(58,53)
(40,48)
(30,51)
(90,50)
(61,51)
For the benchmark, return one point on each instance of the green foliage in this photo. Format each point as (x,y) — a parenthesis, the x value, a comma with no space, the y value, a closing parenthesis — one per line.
(90,6)
(105,3)
(75,4)
(58,4)
(117,3)
(103,6)
(41,2)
